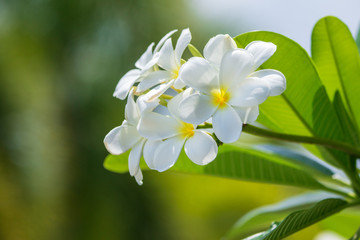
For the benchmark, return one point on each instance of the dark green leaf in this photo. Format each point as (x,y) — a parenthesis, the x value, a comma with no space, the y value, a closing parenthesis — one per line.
(260,218)
(304,218)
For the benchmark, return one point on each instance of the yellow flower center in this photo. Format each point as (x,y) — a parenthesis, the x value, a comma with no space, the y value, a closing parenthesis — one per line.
(220,97)
(186,130)
(175,73)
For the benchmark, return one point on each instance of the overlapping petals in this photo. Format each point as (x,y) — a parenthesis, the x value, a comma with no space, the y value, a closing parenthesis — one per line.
(186,106)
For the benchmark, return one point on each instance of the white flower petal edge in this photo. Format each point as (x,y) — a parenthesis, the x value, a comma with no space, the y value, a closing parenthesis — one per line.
(247,114)
(167,57)
(155,126)
(153,79)
(132,113)
(199,74)
(167,153)
(250,92)
(275,79)
(261,51)
(162,40)
(196,109)
(149,150)
(182,43)
(201,148)
(227,124)
(145,57)
(139,177)
(216,48)
(121,139)
(125,83)
(134,157)
(235,66)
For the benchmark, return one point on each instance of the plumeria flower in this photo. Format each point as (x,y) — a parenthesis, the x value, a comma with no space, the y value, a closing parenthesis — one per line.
(170,61)
(144,67)
(125,137)
(230,92)
(173,134)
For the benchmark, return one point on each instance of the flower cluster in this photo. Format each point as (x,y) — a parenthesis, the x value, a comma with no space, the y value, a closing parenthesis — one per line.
(190,104)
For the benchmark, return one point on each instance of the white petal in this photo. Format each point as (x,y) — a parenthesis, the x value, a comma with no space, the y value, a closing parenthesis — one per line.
(201,148)
(173,104)
(132,113)
(126,82)
(227,124)
(134,157)
(196,109)
(155,126)
(139,177)
(216,48)
(275,79)
(235,66)
(161,42)
(167,57)
(153,79)
(199,74)
(167,153)
(247,114)
(261,51)
(158,91)
(146,106)
(183,41)
(149,152)
(145,57)
(150,64)
(121,139)
(250,92)
(179,84)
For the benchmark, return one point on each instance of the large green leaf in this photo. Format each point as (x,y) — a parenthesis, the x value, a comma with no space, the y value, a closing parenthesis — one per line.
(348,126)
(337,59)
(260,218)
(238,163)
(304,218)
(304,108)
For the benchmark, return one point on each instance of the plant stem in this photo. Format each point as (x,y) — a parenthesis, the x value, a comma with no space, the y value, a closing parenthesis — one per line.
(344,147)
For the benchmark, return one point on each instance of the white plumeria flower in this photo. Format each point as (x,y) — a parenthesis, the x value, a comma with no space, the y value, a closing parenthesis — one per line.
(170,61)
(126,136)
(144,67)
(171,134)
(230,92)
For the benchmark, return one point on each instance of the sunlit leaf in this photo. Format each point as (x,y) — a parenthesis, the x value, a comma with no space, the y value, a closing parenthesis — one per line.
(337,59)
(237,163)
(259,219)
(344,223)
(304,218)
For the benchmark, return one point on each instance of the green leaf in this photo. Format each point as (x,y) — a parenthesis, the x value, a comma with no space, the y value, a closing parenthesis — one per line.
(344,223)
(304,218)
(304,108)
(260,218)
(194,51)
(237,163)
(348,126)
(337,59)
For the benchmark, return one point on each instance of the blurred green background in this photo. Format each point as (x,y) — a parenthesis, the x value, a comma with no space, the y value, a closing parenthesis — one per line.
(59,64)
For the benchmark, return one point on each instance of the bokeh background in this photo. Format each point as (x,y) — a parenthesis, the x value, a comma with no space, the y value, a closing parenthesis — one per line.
(60,61)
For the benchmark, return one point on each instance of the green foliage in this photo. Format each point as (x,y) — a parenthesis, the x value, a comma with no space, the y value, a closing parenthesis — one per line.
(259,219)
(194,51)
(304,218)
(237,163)
(336,57)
